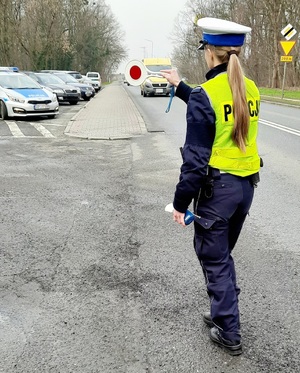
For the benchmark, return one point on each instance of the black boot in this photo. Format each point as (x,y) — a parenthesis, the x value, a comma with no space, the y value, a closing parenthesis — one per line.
(207,319)
(232,347)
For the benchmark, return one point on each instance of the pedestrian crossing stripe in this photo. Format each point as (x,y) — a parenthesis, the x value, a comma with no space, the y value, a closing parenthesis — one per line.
(288,31)
(16,131)
(42,130)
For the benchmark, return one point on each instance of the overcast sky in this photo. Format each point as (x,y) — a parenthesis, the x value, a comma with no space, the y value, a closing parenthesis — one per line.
(144,20)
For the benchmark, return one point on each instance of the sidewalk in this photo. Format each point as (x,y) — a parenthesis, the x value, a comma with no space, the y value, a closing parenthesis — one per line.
(110,115)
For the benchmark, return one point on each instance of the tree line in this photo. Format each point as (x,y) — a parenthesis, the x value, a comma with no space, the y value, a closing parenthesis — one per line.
(84,35)
(262,50)
(79,35)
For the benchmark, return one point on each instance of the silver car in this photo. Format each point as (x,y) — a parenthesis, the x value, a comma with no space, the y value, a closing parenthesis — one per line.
(64,92)
(21,96)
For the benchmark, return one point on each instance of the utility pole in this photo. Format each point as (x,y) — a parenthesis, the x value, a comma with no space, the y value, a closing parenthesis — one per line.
(144,53)
(151,47)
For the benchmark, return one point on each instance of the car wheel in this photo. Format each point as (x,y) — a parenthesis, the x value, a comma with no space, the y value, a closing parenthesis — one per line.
(87,99)
(141,93)
(3,111)
(52,116)
(73,102)
(144,94)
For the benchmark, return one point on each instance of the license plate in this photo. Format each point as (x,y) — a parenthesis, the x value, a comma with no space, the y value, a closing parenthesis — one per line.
(41,107)
(159,90)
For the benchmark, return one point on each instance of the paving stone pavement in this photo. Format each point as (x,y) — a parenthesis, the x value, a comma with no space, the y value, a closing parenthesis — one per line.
(110,115)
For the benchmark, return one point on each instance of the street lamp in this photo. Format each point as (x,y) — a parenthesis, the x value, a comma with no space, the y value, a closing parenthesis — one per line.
(144,49)
(152,46)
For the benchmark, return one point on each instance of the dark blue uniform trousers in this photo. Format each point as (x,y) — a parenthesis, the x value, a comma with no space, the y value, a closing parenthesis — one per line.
(216,233)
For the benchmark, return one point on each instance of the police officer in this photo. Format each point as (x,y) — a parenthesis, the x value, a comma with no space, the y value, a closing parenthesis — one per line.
(220,169)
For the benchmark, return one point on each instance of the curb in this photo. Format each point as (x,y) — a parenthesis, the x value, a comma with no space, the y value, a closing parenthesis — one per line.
(69,125)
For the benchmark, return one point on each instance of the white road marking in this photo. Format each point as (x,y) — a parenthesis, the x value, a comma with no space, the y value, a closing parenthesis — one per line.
(42,130)
(55,124)
(280,127)
(14,129)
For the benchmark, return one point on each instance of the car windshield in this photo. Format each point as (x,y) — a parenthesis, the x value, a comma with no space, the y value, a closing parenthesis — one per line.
(49,79)
(18,81)
(157,68)
(67,78)
(90,75)
(76,75)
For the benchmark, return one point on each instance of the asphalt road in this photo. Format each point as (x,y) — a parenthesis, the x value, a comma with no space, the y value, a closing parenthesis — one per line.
(267,254)
(96,278)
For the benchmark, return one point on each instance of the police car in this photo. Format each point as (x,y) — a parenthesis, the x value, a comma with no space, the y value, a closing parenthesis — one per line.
(21,96)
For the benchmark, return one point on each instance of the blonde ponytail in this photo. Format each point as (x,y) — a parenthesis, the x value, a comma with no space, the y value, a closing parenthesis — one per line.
(237,85)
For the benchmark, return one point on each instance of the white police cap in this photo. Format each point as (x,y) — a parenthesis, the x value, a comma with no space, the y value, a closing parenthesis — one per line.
(220,32)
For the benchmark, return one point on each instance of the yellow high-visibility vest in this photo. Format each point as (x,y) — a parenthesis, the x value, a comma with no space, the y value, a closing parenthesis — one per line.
(226,156)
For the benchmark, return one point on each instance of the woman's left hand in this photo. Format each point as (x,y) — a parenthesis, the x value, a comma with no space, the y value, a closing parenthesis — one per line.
(178,217)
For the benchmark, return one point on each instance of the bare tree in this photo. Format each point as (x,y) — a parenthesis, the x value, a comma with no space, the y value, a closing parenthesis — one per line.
(84,35)
(186,36)
(7,29)
(60,34)
(262,49)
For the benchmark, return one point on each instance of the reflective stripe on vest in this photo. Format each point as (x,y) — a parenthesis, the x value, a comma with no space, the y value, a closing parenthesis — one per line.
(226,156)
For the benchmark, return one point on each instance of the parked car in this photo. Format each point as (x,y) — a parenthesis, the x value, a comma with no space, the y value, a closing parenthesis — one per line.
(10,68)
(64,92)
(21,96)
(94,76)
(76,75)
(93,83)
(86,90)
